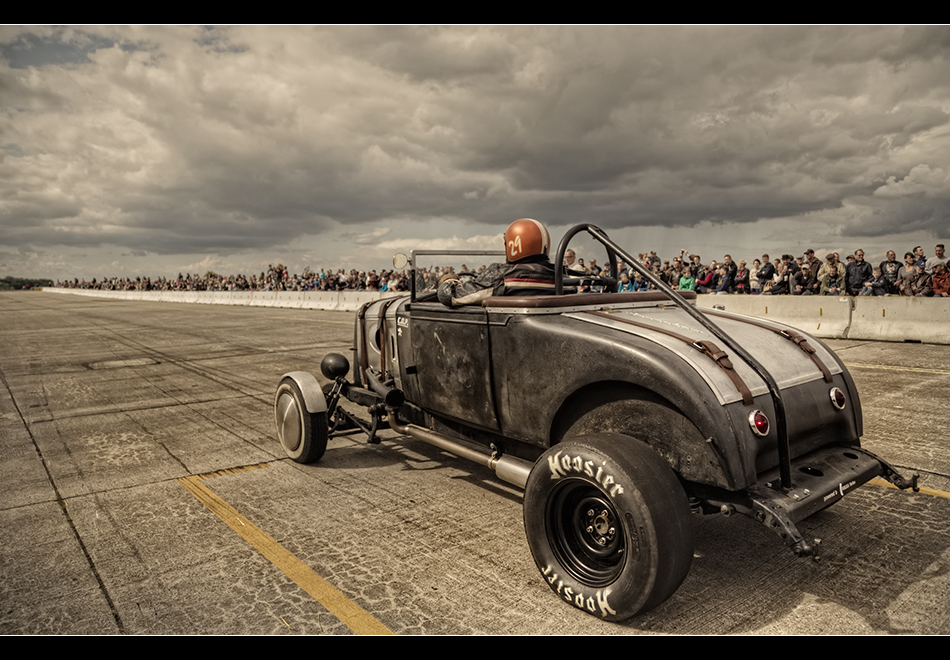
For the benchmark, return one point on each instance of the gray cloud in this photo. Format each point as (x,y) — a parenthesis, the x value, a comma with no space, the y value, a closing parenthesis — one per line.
(191,140)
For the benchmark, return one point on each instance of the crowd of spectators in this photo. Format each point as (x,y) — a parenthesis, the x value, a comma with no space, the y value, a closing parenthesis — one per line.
(276,278)
(807,275)
(917,275)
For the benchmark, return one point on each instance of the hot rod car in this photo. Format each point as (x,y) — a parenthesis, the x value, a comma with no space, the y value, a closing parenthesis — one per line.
(619,414)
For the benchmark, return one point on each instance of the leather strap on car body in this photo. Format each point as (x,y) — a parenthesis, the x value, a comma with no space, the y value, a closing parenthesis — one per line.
(703,346)
(791,335)
(383,335)
(364,358)
(383,338)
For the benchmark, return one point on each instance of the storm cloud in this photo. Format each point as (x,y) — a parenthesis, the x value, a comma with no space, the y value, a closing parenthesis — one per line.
(247,141)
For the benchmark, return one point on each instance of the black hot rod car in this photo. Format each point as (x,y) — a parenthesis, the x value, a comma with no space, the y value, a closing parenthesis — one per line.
(620,414)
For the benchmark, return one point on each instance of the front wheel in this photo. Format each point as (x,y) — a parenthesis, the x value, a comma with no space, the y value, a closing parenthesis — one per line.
(608,524)
(302,434)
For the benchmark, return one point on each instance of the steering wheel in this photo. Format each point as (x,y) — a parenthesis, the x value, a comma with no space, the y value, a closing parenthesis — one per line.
(583,279)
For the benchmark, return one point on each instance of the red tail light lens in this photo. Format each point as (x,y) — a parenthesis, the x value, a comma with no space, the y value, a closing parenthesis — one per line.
(759,423)
(838,399)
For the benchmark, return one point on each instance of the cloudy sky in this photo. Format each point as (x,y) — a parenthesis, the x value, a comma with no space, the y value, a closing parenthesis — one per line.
(153,150)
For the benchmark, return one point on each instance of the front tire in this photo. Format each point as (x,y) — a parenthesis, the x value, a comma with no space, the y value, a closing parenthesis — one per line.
(302,434)
(609,525)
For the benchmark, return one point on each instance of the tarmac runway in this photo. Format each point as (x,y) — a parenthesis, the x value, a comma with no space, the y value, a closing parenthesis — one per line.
(144,492)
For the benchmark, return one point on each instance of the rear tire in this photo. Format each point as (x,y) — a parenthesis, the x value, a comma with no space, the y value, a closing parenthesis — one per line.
(302,434)
(609,525)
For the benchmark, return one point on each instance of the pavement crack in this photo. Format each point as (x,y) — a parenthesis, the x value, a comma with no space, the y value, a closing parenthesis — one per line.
(65,511)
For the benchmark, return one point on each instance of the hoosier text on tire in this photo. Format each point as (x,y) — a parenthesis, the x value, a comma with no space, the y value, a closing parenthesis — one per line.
(608,525)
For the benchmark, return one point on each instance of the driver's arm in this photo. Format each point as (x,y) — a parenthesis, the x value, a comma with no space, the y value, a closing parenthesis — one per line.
(454,293)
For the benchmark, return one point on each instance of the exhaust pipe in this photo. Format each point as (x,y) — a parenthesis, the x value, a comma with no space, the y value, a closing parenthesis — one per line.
(392,397)
(512,470)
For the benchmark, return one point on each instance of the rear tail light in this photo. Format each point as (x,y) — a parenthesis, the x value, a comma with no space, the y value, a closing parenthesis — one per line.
(759,423)
(838,399)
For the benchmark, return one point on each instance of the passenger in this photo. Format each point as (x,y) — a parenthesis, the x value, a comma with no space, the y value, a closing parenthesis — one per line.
(527,272)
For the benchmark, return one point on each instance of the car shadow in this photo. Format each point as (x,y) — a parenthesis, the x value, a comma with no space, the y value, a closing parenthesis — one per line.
(884,555)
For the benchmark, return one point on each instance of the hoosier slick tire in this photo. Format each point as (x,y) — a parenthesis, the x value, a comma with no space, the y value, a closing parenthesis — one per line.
(608,524)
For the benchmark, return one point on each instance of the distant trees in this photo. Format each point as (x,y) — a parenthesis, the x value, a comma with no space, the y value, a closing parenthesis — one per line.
(10,282)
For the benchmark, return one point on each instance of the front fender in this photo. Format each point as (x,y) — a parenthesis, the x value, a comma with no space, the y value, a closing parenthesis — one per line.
(310,388)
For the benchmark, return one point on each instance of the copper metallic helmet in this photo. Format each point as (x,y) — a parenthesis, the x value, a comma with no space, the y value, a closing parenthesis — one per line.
(526,238)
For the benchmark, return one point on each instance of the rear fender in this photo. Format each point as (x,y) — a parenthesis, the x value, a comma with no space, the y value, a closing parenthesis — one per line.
(616,407)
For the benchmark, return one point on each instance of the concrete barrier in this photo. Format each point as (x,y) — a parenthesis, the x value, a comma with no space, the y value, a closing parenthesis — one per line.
(870,318)
(290,299)
(901,319)
(263,299)
(241,297)
(325,300)
(221,298)
(353,300)
(822,316)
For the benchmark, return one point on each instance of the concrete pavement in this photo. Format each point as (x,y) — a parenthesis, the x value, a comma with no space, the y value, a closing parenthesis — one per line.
(137,437)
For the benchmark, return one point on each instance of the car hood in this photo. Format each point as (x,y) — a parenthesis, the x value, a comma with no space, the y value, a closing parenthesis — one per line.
(785,360)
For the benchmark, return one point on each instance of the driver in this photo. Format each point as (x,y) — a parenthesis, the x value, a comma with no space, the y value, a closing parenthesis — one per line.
(527,272)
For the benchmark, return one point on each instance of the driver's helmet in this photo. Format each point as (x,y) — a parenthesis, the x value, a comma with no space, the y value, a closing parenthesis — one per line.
(526,238)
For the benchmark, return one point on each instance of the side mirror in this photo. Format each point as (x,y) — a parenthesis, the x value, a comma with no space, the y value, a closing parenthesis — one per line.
(400,261)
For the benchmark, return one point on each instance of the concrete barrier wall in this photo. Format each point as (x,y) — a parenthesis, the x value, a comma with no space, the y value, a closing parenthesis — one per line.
(872,318)
(352,301)
(901,319)
(323,300)
(822,316)
(876,318)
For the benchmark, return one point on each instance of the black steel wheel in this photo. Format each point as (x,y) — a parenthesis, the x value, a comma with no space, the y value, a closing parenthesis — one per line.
(302,434)
(609,525)
(586,533)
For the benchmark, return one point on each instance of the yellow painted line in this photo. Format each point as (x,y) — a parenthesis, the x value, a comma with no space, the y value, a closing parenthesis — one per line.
(888,367)
(926,491)
(349,613)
